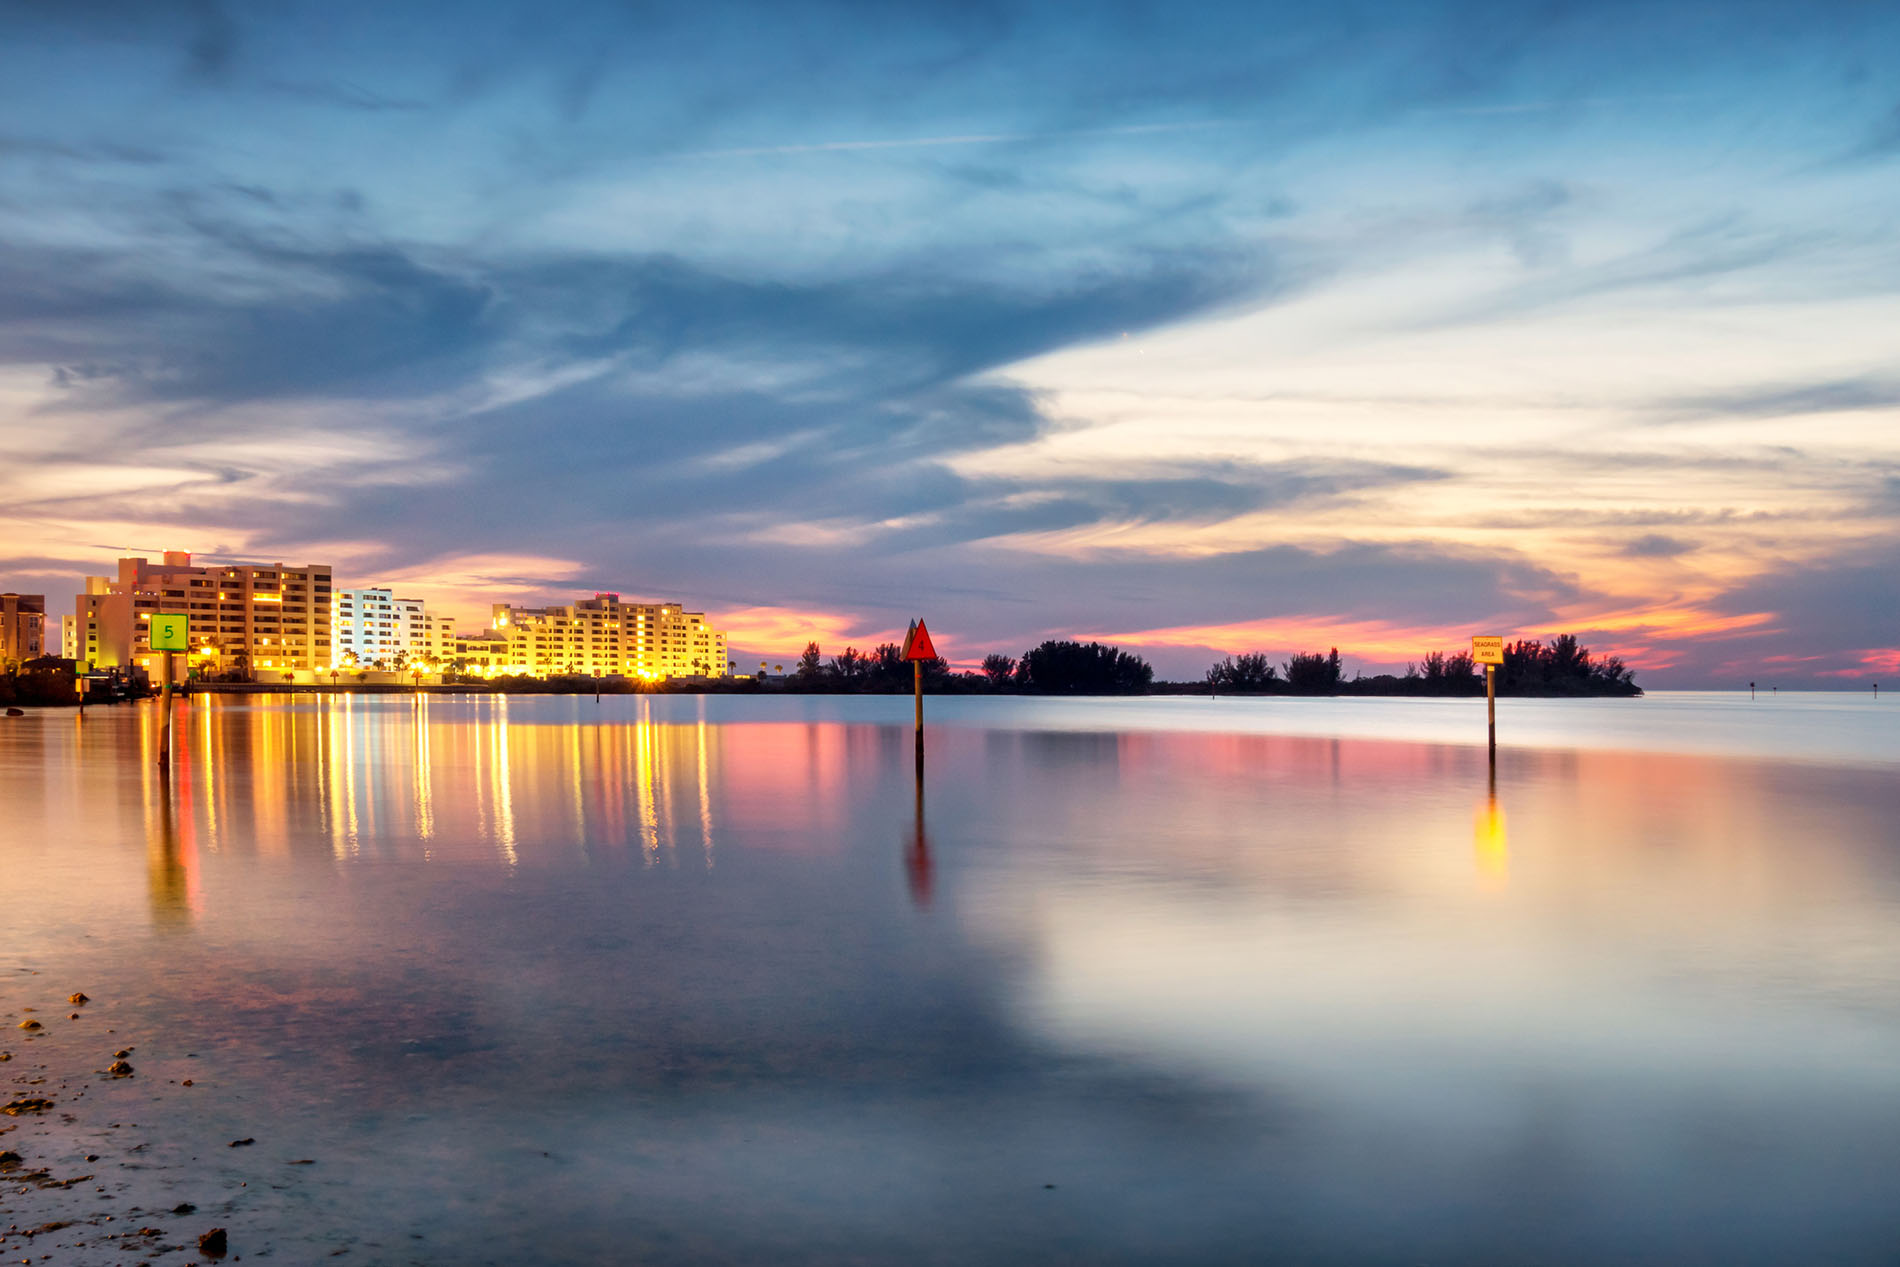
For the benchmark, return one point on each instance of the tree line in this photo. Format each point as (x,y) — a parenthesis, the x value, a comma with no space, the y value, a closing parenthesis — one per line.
(1531,667)
(1066,667)
(1055,667)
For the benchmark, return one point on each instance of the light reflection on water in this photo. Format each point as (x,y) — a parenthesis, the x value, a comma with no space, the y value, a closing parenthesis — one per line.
(716,979)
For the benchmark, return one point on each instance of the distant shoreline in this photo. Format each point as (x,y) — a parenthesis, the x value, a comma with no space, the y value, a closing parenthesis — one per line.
(753,687)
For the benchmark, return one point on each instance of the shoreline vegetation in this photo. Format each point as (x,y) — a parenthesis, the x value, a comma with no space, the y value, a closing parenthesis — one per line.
(1560,668)
(1062,667)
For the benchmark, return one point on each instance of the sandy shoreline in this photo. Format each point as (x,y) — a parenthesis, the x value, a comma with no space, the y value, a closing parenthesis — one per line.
(93,1165)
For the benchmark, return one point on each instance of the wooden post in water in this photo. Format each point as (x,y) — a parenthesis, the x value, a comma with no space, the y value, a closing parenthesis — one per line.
(1491,713)
(1488,650)
(917,649)
(165,717)
(167,632)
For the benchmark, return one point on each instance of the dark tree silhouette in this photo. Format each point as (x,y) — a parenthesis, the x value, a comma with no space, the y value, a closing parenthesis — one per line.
(1074,668)
(811,663)
(889,670)
(1562,668)
(1247,674)
(999,669)
(848,667)
(1442,674)
(1310,673)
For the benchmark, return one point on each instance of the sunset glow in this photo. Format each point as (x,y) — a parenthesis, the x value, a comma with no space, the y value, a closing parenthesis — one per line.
(1200,344)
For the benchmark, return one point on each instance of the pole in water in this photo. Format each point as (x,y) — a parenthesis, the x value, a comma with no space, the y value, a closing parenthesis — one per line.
(918,648)
(1751,690)
(1488,650)
(165,717)
(1491,714)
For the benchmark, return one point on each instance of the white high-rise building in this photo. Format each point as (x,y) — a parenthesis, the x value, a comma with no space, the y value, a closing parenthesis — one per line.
(372,625)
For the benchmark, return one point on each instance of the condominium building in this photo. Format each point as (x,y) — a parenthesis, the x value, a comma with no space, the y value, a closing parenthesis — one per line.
(262,619)
(373,626)
(483,654)
(69,637)
(602,635)
(22,627)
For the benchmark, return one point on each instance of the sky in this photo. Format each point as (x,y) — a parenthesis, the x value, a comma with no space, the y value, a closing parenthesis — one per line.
(1203,329)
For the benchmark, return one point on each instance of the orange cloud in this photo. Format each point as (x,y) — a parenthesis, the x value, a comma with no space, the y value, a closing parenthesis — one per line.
(1383,641)
(785,630)
(1877,660)
(466,585)
(1644,634)
(1885,659)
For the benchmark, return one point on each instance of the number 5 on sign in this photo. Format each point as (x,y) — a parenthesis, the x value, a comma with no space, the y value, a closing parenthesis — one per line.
(169,631)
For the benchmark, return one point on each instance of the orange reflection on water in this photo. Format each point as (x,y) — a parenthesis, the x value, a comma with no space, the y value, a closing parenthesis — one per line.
(474,779)
(1490,849)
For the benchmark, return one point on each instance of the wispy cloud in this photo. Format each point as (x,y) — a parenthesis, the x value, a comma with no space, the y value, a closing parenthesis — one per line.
(967,138)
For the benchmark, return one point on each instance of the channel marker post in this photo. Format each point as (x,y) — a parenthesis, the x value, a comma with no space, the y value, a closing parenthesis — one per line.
(170,631)
(917,649)
(1488,650)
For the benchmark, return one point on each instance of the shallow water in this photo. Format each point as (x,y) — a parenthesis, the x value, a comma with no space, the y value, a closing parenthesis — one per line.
(704,979)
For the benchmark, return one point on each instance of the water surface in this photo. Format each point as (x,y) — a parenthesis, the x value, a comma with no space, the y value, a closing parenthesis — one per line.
(709,979)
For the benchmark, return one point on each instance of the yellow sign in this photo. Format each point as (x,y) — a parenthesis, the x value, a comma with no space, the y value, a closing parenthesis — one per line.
(169,632)
(1486,649)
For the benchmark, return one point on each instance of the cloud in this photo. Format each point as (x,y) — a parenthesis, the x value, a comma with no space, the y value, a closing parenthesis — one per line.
(1882,139)
(1844,395)
(725,302)
(973,138)
(200,32)
(1656,545)
(1833,604)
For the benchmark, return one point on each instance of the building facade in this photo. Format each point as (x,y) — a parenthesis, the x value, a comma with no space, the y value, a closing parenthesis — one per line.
(373,626)
(22,627)
(254,618)
(603,636)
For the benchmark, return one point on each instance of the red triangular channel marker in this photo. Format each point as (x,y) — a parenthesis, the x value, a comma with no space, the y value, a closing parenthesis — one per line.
(917,646)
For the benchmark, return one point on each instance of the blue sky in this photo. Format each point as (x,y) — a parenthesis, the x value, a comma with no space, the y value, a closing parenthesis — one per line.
(1208,328)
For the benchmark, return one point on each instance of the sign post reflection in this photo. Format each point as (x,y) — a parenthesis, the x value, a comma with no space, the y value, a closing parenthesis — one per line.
(1490,848)
(917,854)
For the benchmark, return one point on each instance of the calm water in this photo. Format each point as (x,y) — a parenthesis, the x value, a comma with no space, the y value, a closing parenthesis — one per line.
(679,979)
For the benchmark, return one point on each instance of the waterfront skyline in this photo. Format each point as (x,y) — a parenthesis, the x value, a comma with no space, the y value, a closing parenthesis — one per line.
(1240,329)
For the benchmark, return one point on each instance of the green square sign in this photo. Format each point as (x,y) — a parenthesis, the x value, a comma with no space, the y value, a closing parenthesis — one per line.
(169,632)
